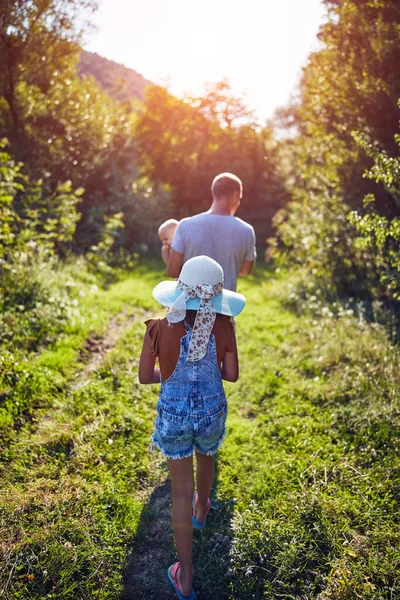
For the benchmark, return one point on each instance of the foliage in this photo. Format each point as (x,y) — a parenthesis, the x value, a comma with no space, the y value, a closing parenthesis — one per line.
(378,236)
(32,218)
(323,244)
(39,294)
(38,39)
(64,128)
(103,258)
(350,84)
(313,231)
(37,300)
(91,144)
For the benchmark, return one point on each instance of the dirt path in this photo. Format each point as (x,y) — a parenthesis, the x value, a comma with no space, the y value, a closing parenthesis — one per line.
(97,346)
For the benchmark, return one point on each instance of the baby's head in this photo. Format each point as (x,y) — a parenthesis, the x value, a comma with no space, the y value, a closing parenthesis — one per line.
(166,231)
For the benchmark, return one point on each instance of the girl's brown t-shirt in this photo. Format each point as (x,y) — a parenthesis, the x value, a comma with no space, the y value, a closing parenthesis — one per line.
(166,339)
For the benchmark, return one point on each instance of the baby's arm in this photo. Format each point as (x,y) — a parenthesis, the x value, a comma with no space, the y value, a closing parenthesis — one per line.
(166,233)
(165,253)
(147,371)
(230,364)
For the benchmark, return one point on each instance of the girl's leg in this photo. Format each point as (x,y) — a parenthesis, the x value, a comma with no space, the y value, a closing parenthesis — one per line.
(204,478)
(182,494)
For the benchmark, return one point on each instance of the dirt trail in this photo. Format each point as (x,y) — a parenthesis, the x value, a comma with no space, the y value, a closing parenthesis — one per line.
(95,349)
(97,346)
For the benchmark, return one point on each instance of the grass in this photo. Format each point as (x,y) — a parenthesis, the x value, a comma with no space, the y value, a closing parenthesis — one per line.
(30,379)
(307,483)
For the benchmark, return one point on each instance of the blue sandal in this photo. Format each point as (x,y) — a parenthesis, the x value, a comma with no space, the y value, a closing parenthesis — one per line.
(172,576)
(196,524)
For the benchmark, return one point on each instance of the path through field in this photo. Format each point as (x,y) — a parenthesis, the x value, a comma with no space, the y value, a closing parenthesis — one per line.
(303,503)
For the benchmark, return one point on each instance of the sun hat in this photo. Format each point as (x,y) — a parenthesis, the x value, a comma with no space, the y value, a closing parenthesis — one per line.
(200,286)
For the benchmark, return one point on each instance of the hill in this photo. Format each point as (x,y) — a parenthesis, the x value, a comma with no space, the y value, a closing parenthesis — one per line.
(123,84)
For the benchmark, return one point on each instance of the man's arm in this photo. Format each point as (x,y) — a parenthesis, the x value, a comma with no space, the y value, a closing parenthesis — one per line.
(247,267)
(175,263)
(251,254)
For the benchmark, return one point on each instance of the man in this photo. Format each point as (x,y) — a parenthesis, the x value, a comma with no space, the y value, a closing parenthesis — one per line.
(217,233)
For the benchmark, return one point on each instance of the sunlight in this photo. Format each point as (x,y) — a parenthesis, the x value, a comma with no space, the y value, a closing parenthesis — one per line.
(202,44)
(260,50)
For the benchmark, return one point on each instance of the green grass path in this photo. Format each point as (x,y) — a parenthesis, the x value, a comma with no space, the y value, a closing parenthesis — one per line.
(305,499)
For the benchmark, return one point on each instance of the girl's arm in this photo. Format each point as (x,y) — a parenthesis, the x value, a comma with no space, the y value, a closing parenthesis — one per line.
(230,365)
(147,371)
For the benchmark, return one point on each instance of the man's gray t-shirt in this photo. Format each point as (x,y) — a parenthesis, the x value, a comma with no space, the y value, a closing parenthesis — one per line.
(226,239)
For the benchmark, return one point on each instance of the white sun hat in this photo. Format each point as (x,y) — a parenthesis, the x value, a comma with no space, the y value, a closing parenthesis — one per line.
(200,287)
(197,271)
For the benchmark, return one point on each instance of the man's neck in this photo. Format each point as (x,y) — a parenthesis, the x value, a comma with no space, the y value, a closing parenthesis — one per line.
(222,210)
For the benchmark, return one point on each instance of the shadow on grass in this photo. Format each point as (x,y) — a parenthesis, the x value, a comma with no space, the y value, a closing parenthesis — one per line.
(153,550)
(211,547)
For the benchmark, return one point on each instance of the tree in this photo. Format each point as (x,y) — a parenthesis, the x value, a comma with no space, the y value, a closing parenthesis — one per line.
(348,93)
(186,142)
(38,39)
(352,84)
(32,219)
(377,236)
(62,127)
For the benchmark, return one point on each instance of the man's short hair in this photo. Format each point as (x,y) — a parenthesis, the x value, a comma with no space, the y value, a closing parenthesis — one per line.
(225,184)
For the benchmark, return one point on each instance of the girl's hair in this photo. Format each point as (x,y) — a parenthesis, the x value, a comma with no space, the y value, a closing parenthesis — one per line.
(190,317)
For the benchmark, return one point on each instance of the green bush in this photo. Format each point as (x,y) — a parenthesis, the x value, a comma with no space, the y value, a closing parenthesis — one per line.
(316,235)
(37,299)
(350,254)
(35,226)
(33,219)
(378,237)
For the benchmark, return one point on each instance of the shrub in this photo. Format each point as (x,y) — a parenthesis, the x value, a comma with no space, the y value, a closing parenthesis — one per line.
(379,236)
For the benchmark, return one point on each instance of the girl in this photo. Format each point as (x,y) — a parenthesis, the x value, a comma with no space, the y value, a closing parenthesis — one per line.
(196,348)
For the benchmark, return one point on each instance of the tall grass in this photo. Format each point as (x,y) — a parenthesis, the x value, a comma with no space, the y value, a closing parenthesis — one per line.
(304,503)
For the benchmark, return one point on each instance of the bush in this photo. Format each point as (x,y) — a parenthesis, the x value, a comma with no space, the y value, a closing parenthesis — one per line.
(37,299)
(379,236)
(341,252)
(33,219)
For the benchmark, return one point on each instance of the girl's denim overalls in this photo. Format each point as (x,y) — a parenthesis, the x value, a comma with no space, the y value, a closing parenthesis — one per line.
(192,407)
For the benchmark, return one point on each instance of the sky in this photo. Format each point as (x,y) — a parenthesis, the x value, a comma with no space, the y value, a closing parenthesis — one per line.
(259,46)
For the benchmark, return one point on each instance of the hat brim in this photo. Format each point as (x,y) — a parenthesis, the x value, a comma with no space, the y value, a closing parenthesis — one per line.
(228,303)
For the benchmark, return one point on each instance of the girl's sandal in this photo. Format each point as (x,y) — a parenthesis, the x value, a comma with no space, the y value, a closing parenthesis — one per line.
(172,576)
(196,524)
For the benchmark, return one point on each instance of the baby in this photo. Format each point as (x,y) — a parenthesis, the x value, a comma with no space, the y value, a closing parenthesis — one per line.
(166,233)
